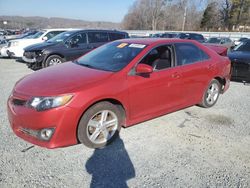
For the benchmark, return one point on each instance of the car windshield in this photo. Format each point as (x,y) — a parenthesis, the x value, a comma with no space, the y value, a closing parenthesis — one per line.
(27,35)
(37,35)
(111,57)
(243,46)
(60,37)
(213,40)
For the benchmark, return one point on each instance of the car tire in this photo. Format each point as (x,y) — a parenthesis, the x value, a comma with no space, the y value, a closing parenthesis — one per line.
(53,60)
(99,125)
(211,94)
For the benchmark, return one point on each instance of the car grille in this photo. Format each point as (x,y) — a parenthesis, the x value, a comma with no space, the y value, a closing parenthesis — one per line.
(18,102)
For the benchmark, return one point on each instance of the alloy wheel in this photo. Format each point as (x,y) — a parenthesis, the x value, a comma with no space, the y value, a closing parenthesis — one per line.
(212,93)
(102,126)
(55,61)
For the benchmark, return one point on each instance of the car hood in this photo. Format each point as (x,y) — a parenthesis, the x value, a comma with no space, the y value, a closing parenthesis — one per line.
(240,55)
(39,46)
(60,79)
(26,42)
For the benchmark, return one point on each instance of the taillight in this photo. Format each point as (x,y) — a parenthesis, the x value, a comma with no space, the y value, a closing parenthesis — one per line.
(224,53)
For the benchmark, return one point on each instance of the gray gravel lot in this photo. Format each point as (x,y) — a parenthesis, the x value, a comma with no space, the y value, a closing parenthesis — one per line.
(194,147)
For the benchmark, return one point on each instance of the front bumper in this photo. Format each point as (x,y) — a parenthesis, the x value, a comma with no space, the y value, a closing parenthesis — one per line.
(63,119)
(33,60)
(15,52)
(28,60)
(4,52)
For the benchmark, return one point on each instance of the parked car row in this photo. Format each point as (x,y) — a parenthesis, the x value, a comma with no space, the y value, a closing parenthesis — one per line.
(54,46)
(16,47)
(191,36)
(67,46)
(223,41)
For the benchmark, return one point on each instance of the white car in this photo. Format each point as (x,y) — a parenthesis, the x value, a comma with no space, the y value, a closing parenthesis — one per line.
(16,47)
(3,44)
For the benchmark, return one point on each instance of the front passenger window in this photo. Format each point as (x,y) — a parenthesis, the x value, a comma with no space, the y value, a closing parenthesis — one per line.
(159,58)
(77,40)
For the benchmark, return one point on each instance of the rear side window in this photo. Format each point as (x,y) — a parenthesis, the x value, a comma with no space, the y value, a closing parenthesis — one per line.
(97,37)
(116,36)
(188,53)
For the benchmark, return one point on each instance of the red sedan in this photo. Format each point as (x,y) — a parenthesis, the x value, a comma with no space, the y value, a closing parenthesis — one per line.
(118,84)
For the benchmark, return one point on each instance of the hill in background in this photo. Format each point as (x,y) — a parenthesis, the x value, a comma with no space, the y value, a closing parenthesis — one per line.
(19,22)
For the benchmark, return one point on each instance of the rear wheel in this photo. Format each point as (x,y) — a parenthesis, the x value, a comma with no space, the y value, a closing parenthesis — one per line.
(53,60)
(211,94)
(99,125)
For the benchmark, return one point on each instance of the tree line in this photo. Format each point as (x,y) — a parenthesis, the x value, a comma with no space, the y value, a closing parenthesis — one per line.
(206,15)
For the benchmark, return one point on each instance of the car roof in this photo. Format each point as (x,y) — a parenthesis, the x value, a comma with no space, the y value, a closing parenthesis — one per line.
(149,41)
(58,29)
(89,30)
(219,38)
(190,33)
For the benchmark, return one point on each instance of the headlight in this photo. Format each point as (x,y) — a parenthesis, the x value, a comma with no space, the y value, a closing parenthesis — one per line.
(45,103)
(39,53)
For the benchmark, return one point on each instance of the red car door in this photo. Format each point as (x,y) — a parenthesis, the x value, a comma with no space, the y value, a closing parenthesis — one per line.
(196,69)
(157,92)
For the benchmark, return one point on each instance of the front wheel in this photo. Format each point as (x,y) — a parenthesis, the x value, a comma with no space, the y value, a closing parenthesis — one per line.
(211,94)
(99,125)
(53,60)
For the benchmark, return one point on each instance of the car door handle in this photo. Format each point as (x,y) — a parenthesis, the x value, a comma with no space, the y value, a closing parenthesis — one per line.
(175,75)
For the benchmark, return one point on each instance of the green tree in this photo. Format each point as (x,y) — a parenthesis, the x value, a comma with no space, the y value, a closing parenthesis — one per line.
(210,17)
(240,12)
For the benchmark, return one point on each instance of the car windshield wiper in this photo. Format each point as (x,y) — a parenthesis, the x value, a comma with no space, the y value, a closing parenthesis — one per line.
(90,66)
(87,65)
(82,64)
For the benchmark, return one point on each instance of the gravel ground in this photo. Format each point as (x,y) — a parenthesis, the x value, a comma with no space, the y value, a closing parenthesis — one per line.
(194,147)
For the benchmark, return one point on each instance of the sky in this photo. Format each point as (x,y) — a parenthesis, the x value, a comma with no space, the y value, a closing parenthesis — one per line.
(89,10)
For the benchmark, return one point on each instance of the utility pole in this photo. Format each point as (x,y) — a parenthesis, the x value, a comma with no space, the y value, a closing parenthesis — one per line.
(184,18)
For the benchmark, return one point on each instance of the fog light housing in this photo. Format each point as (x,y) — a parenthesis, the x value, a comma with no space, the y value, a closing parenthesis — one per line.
(46,134)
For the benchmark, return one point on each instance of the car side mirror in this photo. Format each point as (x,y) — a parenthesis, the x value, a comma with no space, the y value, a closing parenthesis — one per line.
(143,69)
(45,38)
